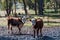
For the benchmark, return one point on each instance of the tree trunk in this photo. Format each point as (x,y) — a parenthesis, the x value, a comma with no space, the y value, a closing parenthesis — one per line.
(25,7)
(8,7)
(40,7)
(35,7)
(56,4)
(15,8)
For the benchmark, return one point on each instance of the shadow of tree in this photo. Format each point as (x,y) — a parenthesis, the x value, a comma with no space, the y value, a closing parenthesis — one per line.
(46,38)
(39,38)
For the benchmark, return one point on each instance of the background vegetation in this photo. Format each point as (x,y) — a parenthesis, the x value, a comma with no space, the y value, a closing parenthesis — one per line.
(51,9)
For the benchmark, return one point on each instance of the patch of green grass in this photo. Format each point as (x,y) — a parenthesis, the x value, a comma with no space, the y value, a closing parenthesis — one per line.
(51,24)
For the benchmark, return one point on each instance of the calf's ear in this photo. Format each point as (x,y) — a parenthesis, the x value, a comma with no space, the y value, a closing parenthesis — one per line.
(30,19)
(35,19)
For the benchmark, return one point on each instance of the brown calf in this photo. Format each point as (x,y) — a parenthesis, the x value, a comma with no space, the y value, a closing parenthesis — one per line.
(38,26)
(12,21)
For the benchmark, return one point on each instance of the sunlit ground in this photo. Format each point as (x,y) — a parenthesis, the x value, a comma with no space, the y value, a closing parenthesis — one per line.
(47,21)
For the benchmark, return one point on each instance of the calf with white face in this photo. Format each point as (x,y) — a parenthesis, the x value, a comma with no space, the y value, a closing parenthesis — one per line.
(37,25)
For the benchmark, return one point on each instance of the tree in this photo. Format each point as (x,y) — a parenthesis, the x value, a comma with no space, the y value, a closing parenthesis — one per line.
(8,6)
(15,6)
(2,2)
(29,3)
(56,4)
(19,1)
(40,7)
(24,2)
(35,7)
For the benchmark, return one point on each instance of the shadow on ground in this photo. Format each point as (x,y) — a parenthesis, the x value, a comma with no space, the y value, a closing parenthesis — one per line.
(27,38)
(47,38)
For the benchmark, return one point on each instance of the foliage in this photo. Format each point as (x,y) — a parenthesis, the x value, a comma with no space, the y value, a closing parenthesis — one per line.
(3,5)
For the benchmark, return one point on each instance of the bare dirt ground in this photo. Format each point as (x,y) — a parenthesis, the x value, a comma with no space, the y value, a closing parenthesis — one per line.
(52,33)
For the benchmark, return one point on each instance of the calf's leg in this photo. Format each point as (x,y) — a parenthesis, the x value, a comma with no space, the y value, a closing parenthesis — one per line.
(34,33)
(41,32)
(37,32)
(11,30)
(19,29)
(8,26)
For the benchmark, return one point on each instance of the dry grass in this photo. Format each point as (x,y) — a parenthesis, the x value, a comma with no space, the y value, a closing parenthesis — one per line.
(3,21)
